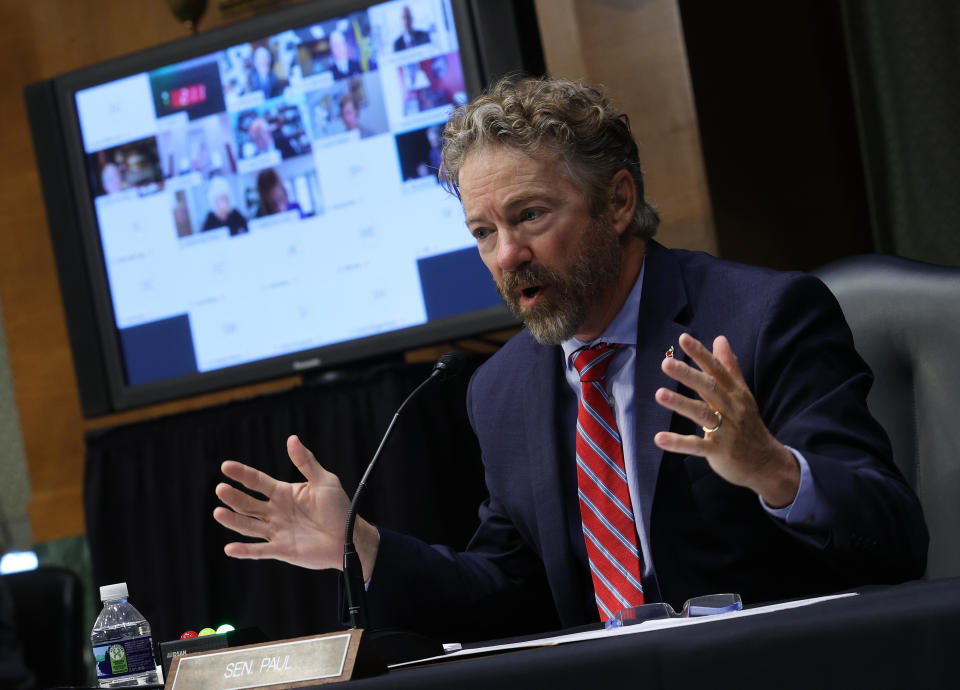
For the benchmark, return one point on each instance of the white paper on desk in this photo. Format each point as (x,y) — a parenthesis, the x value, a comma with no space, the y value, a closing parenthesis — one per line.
(646,626)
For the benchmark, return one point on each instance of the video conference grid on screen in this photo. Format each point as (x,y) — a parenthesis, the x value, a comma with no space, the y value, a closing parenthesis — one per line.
(278,195)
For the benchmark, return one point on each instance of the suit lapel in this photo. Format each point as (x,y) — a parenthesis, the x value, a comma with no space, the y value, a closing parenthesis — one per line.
(542,391)
(552,467)
(660,324)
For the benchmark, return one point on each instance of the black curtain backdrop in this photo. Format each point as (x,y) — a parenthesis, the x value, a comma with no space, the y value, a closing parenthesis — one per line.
(149,495)
(829,128)
(905,67)
(777,130)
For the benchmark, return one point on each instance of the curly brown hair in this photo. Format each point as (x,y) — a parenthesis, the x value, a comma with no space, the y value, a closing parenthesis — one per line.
(543,116)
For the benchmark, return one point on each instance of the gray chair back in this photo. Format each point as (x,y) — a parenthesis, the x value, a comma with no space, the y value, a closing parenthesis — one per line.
(905,318)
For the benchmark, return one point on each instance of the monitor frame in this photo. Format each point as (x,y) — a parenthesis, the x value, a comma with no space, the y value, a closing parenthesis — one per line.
(494,36)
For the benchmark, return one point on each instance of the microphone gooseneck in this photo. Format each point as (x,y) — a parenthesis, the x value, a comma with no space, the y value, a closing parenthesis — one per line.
(447,366)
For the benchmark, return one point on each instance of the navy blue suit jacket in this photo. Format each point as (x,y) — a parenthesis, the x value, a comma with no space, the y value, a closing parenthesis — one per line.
(526,567)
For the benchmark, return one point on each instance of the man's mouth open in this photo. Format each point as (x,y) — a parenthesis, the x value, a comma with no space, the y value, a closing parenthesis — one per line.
(530,295)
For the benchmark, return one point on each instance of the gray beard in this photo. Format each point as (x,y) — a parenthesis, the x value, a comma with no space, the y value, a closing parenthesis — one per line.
(574,292)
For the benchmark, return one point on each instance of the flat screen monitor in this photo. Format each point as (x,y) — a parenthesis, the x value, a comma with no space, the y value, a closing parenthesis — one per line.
(263,200)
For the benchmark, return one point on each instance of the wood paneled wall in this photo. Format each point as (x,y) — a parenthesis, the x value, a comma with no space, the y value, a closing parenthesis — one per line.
(634,48)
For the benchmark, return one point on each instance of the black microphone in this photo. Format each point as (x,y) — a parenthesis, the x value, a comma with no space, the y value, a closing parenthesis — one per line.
(447,366)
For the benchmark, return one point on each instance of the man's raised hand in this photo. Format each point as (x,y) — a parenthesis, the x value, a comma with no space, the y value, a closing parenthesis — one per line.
(300,523)
(738,445)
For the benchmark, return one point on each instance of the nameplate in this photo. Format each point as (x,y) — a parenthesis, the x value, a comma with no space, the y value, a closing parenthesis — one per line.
(290,663)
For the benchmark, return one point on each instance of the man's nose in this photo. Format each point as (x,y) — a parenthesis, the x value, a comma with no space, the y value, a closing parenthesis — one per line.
(512,253)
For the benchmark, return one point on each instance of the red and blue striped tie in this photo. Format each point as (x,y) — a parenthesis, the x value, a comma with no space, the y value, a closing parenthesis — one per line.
(609,530)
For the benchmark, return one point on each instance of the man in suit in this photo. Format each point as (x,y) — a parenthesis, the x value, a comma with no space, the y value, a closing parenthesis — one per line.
(342,65)
(682,469)
(263,78)
(411,36)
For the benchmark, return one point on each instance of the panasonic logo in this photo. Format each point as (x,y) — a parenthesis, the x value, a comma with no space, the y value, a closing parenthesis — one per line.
(306,364)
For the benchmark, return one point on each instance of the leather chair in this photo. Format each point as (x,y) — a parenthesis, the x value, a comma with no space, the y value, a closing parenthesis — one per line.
(49,611)
(905,318)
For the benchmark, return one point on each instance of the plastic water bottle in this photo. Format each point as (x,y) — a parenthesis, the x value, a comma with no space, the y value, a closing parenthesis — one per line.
(122,644)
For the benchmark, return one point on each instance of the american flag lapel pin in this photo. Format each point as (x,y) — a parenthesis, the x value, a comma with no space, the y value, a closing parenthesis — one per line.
(669,352)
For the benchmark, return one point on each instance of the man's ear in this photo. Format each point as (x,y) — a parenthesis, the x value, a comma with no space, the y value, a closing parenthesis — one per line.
(623,201)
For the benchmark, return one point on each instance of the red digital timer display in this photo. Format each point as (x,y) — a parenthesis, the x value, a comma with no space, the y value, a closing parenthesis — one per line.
(186,96)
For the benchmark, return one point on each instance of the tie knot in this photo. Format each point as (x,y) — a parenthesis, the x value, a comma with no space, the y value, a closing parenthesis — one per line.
(592,362)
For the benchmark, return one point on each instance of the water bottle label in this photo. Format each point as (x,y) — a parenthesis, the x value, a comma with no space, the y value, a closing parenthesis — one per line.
(124,657)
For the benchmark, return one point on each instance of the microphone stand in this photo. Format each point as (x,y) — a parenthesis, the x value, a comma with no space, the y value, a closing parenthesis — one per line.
(352,568)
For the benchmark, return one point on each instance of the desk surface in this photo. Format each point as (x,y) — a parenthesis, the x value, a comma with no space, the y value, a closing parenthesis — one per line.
(891,637)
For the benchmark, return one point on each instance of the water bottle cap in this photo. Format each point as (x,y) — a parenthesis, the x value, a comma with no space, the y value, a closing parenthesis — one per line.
(113,592)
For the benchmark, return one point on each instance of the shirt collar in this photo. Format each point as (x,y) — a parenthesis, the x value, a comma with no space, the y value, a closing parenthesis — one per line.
(623,328)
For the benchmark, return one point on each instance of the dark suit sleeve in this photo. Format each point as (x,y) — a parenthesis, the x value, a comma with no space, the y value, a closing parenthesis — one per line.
(496,586)
(812,388)
(797,356)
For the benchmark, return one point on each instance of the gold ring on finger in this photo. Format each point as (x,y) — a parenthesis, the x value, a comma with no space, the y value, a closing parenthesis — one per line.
(711,429)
